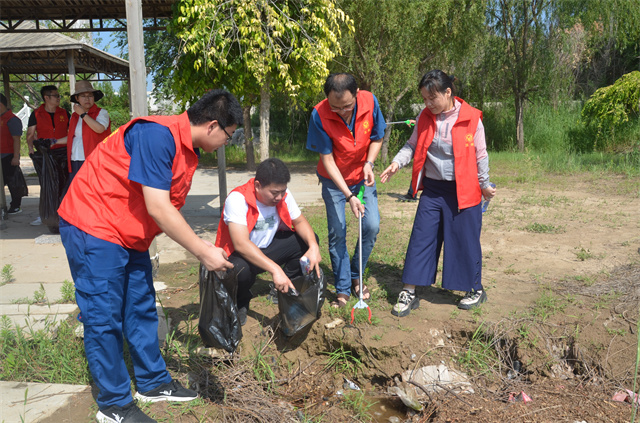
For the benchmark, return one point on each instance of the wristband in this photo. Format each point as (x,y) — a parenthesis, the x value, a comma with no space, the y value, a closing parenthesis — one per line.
(350,197)
(371,164)
(83,115)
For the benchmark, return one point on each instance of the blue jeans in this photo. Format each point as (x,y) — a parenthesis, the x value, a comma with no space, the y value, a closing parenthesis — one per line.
(344,270)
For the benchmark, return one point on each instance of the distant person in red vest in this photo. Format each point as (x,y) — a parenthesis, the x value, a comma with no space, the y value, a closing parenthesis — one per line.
(49,121)
(10,133)
(346,129)
(451,167)
(262,229)
(88,126)
(130,189)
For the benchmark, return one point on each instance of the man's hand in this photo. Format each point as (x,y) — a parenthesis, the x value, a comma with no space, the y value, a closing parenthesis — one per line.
(215,258)
(389,172)
(369,177)
(314,256)
(356,206)
(281,281)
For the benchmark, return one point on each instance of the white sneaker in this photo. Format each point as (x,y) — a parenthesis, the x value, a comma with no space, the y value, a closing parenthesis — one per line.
(36,222)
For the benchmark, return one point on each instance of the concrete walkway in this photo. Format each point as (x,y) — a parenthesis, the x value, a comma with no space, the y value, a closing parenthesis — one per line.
(39,269)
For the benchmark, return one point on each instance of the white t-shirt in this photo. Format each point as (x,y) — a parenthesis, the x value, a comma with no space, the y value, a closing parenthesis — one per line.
(236,208)
(77,148)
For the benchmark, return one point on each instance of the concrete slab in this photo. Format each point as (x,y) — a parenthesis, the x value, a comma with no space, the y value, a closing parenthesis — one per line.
(33,402)
(25,292)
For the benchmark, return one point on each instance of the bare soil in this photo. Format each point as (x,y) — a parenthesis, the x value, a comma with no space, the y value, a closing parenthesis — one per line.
(562,272)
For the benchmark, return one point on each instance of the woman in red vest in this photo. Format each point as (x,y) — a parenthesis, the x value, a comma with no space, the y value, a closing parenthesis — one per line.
(451,166)
(88,126)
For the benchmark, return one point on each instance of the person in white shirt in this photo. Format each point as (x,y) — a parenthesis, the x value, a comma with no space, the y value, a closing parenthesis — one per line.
(263,230)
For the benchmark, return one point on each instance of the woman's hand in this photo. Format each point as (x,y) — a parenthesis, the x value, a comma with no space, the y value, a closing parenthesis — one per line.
(389,172)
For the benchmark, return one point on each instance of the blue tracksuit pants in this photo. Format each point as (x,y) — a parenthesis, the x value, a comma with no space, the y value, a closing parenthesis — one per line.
(439,221)
(115,294)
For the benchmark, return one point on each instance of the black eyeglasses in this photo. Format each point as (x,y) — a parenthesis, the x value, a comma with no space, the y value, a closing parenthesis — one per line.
(227,134)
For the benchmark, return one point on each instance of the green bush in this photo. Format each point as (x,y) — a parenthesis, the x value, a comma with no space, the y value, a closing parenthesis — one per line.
(612,114)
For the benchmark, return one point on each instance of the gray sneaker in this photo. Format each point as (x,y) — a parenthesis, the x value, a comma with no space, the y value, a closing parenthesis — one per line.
(406,302)
(472,299)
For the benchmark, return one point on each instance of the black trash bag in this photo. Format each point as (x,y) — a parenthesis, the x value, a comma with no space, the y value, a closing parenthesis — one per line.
(53,173)
(219,326)
(298,311)
(18,184)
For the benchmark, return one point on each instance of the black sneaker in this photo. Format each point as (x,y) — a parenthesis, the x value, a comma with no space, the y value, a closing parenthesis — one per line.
(14,210)
(273,294)
(130,413)
(406,302)
(472,299)
(242,315)
(171,391)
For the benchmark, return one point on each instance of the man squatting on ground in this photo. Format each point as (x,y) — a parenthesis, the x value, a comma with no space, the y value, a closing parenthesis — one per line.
(10,133)
(346,129)
(49,121)
(262,229)
(128,191)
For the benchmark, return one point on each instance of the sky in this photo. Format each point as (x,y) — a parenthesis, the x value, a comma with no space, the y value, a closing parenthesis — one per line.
(105,42)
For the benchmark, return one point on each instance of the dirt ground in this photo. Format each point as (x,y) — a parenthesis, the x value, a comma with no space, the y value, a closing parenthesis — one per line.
(561,266)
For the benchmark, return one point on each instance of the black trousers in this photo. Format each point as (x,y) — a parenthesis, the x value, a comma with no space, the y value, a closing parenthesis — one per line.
(286,249)
(8,173)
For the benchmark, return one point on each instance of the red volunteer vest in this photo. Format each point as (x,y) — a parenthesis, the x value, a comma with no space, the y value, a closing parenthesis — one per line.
(349,152)
(6,140)
(56,129)
(89,138)
(248,191)
(465,165)
(103,202)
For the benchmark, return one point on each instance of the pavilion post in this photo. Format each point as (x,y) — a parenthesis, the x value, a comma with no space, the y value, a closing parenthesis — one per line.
(137,70)
(72,72)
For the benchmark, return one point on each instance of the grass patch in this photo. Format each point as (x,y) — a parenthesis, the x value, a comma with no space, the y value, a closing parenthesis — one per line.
(479,355)
(547,305)
(541,228)
(342,361)
(7,274)
(34,355)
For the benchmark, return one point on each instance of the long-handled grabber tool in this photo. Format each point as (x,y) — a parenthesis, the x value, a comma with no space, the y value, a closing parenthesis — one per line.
(406,122)
(360,303)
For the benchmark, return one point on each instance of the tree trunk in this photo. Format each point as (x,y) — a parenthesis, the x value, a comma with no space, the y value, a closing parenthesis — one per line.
(384,152)
(248,138)
(265,104)
(519,123)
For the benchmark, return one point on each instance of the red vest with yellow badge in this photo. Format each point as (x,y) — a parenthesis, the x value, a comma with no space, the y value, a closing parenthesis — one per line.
(464,153)
(349,152)
(6,139)
(248,191)
(103,202)
(57,129)
(90,139)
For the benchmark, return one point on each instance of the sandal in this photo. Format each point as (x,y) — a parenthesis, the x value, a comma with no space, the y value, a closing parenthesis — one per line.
(340,301)
(365,291)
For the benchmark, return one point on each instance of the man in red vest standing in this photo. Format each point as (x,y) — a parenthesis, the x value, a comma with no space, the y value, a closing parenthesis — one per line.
(10,132)
(130,189)
(346,129)
(49,121)
(262,229)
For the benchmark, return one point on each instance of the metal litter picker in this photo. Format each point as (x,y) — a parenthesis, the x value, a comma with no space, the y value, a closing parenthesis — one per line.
(360,303)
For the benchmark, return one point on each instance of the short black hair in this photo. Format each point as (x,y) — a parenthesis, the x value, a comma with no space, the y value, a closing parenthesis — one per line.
(217,105)
(272,171)
(339,83)
(436,81)
(46,90)
(3,100)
